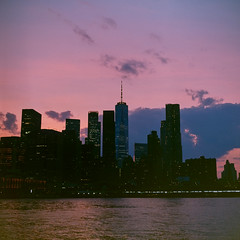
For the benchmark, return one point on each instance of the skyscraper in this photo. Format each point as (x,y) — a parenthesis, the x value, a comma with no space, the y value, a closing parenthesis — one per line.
(154,162)
(171,141)
(140,150)
(73,125)
(121,130)
(109,153)
(31,121)
(94,131)
(229,173)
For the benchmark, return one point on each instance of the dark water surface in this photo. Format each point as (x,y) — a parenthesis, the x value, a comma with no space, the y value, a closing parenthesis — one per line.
(126,218)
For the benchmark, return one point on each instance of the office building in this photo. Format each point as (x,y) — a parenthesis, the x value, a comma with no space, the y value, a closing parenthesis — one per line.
(154,161)
(201,171)
(121,130)
(73,125)
(140,151)
(229,173)
(109,152)
(31,121)
(94,132)
(171,141)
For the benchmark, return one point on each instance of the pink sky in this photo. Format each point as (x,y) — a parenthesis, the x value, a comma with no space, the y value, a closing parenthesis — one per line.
(52,54)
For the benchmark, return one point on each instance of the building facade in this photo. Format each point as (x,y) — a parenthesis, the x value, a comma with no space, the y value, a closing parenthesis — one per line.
(109,152)
(121,131)
(140,151)
(73,125)
(94,132)
(229,173)
(171,141)
(31,121)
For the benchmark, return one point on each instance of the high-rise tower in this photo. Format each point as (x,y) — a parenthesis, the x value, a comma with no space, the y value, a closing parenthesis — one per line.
(94,131)
(171,141)
(121,130)
(73,125)
(31,121)
(109,153)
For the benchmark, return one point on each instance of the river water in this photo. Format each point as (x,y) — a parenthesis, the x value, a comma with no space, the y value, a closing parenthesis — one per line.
(120,218)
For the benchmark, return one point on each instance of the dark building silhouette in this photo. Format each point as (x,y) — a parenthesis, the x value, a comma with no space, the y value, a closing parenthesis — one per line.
(44,153)
(31,121)
(154,161)
(109,153)
(73,125)
(229,173)
(201,171)
(71,156)
(109,137)
(171,142)
(121,130)
(94,132)
(140,151)
(11,156)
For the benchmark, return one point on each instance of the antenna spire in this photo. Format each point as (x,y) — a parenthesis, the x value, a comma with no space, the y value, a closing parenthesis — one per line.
(121,92)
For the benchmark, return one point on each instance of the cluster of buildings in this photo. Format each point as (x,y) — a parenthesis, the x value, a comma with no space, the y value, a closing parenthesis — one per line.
(45,155)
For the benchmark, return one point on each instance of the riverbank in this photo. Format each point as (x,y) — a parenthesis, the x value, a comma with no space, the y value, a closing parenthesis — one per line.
(125,194)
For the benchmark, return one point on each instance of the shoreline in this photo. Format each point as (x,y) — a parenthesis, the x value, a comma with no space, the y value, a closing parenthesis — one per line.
(126,194)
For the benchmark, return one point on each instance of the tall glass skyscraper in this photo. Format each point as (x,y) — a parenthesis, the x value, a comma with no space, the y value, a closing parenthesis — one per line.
(73,125)
(171,141)
(94,131)
(121,130)
(31,121)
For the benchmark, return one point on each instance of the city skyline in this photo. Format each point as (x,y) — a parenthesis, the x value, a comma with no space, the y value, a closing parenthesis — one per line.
(65,59)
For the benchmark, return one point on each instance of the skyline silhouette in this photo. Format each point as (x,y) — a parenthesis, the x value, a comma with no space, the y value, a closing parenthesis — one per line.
(64,59)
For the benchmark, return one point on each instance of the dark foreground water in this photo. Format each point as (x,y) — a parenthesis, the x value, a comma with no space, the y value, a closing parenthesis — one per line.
(126,218)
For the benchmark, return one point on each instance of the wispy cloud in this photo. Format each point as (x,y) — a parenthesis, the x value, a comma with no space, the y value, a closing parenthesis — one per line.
(129,67)
(155,37)
(108,23)
(157,55)
(61,117)
(108,61)
(85,37)
(8,123)
(132,67)
(203,101)
(194,137)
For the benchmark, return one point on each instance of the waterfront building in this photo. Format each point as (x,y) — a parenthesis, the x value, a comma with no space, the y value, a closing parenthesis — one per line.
(73,125)
(171,141)
(154,161)
(201,171)
(121,130)
(140,151)
(229,173)
(109,152)
(31,121)
(94,132)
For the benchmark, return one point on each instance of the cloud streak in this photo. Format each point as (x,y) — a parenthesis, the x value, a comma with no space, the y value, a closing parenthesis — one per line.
(202,100)
(194,137)
(8,123)
(108,23)
(155,37)
(157,55)
(60,117)
(128,68)
(85,37)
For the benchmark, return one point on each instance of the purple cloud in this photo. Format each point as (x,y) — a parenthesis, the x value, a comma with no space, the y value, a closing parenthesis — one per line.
(203,101)
(61,117)
(76,29)
(8,123)
(108,23)
(128,68)
(157,55)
